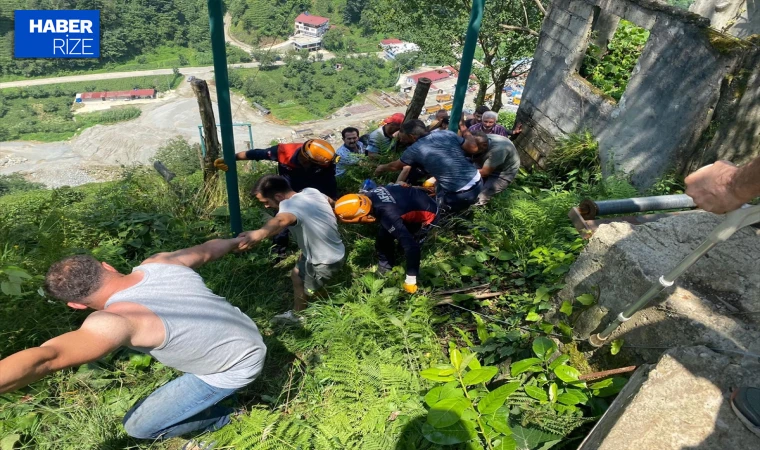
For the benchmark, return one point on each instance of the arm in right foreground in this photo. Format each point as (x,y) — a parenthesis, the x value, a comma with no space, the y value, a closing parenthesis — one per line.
(723,187)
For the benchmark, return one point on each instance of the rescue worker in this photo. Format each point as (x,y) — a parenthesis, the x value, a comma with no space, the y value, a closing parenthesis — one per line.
(311,164)
(405,214)
(307,165)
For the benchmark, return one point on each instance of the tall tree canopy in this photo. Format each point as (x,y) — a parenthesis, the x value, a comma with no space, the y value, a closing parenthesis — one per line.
(508,34)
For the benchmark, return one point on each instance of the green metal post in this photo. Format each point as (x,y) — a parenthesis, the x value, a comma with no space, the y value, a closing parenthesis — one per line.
(465,67)
(219,50)
(250,136)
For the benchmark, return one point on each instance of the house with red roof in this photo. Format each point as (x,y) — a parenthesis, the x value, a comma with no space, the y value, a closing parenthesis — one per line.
(311,26)
(134,94)
(434,75)
(391,41)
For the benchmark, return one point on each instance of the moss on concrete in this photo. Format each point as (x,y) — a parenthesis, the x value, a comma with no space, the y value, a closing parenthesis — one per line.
(724,43)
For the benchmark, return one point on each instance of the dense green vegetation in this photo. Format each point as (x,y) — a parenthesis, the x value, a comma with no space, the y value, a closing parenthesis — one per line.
(261,22)
(45,113)
(610,69)
(303,90)
(129,30)
(372,364)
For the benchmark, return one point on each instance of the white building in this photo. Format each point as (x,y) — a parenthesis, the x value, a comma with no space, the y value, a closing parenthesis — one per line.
(311,26)
(395,47)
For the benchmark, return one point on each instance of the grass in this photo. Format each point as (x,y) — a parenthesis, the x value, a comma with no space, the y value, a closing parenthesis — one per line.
(349,379)
(44,113)
(302,91)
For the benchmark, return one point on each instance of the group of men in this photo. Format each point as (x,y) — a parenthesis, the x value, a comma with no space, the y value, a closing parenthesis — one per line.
(164,308)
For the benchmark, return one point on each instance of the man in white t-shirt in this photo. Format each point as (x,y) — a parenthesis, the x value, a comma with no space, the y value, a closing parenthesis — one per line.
(309,216)
(350,152)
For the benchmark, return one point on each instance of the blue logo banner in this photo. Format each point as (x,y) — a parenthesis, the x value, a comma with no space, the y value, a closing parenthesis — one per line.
(57,34)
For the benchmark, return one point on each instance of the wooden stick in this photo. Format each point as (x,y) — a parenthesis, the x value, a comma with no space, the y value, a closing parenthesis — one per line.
(606,373)
(455,291)
(202,95)
(418,100)
(448,300)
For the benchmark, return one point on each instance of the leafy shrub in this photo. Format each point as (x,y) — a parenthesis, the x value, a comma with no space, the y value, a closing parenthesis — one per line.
(610,69)
(578,151)
(179,156)
(507,119)
(15,182)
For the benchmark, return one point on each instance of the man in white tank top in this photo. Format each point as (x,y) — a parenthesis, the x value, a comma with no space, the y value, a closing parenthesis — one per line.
(309,216)
(162,308)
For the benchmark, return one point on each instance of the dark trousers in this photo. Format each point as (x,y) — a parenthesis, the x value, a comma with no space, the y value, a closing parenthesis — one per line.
(385,244)
(454,202)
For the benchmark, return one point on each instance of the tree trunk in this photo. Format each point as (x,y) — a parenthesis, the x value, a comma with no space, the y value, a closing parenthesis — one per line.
(498,91)
(418,100)
(480,97)
(210,139)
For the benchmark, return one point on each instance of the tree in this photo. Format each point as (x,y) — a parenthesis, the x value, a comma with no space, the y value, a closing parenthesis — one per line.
(265,58)
(353,11)
(509,33)
(183,60)
(333,40)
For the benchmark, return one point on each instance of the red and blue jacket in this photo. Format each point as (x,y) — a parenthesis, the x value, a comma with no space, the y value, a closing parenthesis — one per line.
(300,177)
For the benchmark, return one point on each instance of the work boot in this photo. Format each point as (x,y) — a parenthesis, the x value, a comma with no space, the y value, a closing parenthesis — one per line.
(745,402)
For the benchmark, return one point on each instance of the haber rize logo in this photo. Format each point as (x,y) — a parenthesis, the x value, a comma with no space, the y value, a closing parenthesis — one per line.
(57,34)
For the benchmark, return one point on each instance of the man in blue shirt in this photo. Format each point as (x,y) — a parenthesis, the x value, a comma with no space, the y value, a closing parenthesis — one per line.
(458,182)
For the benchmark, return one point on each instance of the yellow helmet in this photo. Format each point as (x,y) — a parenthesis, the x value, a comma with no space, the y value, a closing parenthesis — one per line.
(319,152)
(354,208)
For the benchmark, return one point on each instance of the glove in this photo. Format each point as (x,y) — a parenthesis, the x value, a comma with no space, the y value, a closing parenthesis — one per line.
(410,284)
(219,164)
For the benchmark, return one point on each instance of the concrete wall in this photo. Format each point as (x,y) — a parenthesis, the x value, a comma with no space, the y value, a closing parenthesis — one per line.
(740,18)
(669,102)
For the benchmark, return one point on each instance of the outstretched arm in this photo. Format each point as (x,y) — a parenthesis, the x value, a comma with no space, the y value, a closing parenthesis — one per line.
(394,166)
(250,155)
(194,257)
(272,228)
(724,187)
(100,334)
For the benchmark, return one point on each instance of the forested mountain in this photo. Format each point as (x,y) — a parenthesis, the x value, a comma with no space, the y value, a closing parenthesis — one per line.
(129,28)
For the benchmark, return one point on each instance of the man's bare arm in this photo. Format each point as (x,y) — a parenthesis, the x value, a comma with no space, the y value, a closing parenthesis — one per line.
(724,187)
(100,334)
(393,166)
(272,228)
(197,256)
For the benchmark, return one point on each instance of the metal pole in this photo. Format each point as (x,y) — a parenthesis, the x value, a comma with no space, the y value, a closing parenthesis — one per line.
(218,49)
(250,137)
(465,68)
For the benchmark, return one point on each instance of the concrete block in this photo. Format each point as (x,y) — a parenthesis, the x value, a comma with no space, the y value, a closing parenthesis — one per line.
(706,304)
(681,403)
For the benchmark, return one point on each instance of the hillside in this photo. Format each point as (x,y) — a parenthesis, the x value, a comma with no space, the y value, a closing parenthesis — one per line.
(358,375)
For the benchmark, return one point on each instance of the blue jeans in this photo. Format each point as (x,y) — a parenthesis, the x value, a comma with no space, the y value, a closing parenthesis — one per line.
(178,407)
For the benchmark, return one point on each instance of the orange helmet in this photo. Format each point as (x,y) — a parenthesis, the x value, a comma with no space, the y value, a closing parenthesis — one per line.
(354,208)
(319,152)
